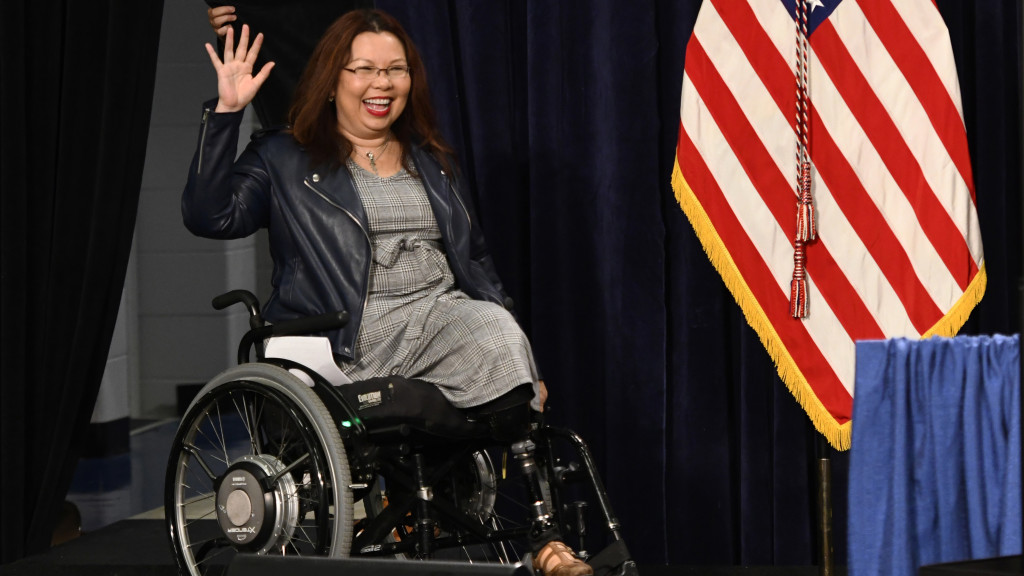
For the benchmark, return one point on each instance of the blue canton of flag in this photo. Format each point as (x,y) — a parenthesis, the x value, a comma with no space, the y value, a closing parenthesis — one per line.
(818,11)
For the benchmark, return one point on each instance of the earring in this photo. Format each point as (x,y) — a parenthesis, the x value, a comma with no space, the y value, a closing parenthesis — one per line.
(330,98)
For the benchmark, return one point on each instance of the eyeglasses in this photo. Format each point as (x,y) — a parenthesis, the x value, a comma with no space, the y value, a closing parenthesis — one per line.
(372,72)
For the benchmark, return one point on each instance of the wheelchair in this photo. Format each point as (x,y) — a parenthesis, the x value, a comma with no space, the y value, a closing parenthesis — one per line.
(271,458)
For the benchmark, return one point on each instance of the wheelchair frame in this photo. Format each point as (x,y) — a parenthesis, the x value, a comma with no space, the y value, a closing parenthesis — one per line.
(263,463)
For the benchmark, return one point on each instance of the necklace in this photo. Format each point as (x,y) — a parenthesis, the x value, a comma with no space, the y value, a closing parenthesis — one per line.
(372,155)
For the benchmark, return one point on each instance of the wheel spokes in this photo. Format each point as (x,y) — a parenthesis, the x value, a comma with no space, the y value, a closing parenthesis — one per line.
(267,430)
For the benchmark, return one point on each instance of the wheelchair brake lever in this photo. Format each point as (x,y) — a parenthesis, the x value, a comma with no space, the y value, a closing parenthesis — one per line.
(567,474)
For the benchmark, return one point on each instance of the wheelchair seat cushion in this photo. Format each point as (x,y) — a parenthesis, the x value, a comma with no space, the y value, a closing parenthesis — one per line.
(395,401)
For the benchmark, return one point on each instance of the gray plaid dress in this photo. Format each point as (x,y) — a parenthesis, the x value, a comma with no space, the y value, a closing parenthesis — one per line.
(417,324)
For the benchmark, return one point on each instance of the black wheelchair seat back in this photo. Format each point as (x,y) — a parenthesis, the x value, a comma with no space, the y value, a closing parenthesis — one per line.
(404,405)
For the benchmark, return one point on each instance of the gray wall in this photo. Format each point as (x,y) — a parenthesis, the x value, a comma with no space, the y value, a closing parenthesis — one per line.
(167,334)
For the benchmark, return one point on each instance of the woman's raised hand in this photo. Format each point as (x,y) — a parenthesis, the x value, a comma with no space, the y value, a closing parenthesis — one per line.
(236,85)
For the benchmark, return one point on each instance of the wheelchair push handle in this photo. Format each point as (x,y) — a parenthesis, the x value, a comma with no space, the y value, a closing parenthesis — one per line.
(234,297)
(244,297)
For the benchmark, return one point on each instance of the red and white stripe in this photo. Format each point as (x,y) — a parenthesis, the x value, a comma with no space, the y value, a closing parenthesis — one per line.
(898,239)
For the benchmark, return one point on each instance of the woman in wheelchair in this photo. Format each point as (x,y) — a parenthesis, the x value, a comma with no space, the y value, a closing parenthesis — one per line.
(365,214)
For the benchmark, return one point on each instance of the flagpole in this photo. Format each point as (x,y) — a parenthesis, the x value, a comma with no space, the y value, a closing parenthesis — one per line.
(826,559)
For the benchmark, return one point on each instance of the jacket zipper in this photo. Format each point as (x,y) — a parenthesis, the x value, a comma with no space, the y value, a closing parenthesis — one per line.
(202,141)
(459,198)
(366,274)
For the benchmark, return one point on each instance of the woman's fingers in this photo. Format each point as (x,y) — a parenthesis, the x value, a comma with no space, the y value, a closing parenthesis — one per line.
(242,55)
(260,78)
(242,51)
(254,51)
(213,56)
(243,43)
(229,44)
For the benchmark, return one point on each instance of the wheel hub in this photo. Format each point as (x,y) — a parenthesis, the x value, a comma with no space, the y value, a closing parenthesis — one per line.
(253,515)
(479,500)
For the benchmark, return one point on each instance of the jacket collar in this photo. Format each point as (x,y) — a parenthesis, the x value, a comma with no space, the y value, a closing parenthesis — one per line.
(335,183)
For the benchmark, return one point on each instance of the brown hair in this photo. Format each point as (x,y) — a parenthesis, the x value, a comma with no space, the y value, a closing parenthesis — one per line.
(314,120)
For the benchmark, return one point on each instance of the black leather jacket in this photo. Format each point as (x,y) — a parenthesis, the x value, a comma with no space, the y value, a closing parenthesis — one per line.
(319,237)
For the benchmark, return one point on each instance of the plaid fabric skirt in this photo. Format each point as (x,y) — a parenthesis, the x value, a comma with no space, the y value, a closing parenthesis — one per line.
(417,324)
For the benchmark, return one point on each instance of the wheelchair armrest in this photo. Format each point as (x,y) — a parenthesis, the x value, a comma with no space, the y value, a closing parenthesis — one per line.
(310,325)
(299,326)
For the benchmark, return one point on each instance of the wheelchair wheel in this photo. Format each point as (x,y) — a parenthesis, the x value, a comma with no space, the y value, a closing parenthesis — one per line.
(257,466)
(474,489)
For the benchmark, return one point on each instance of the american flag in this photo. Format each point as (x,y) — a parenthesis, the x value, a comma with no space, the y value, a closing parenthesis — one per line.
(898,251)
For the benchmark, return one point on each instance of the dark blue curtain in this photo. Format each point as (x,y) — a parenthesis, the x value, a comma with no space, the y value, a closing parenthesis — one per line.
(986,38)
(565,114)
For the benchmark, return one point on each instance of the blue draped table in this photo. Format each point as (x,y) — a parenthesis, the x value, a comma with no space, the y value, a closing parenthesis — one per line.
(935,456)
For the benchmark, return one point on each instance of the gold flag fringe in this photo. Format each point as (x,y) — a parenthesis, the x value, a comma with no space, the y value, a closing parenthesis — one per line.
(951,323)
(838,435)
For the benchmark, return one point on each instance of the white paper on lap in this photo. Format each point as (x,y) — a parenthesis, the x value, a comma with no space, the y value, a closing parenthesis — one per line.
(313,352)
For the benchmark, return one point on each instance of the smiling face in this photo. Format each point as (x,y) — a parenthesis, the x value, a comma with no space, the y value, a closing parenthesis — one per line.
(366,109)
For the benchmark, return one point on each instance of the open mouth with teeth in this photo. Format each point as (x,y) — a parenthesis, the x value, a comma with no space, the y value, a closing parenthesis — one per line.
(377,106)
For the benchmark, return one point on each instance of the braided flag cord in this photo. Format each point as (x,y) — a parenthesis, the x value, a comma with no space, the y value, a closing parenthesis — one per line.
(805,225)
(888,243)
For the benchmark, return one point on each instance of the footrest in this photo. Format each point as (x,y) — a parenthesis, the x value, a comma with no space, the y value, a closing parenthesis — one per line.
(614,560)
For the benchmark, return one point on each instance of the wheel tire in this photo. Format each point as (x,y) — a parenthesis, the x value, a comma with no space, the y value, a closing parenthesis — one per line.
(257,465)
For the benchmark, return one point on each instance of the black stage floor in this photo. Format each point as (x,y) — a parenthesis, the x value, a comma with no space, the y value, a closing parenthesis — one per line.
(125,548)
(139,548)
